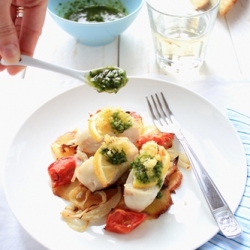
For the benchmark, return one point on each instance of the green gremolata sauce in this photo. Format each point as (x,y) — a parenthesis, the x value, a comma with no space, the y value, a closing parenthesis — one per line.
(144,175)
(109,79)
(91,11)
(114,156)
(118,125)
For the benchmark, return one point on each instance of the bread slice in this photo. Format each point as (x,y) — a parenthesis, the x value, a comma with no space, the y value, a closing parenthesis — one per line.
(199,4)
(225,6)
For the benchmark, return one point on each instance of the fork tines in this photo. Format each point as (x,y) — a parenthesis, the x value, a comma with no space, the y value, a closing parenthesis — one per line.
(159,109)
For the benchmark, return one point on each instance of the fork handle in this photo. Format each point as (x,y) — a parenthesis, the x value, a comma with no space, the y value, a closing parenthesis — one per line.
(218,206)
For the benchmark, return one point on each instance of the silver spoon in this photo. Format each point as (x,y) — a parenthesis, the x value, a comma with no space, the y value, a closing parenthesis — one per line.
(107,79)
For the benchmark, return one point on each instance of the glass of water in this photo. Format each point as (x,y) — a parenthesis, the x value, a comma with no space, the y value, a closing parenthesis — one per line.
(180,30)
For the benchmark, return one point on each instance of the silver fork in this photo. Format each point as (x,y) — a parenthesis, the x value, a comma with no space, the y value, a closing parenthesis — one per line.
(165,121)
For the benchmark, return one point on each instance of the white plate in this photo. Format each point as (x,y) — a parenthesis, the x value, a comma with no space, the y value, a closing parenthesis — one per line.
(187,225)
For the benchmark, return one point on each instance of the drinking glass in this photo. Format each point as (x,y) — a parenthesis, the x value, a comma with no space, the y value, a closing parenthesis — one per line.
(181,30)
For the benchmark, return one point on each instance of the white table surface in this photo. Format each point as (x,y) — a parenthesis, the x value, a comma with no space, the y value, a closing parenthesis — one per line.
(224,80)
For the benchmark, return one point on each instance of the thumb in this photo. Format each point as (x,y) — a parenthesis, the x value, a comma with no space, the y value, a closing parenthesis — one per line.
(9,44)
(10,53)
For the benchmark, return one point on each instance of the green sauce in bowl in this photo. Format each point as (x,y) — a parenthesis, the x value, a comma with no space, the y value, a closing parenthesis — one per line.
(91,11)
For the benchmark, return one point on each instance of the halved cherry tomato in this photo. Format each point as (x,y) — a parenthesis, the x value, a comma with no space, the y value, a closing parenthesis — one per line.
(162,139)
(61,171)
(123,221)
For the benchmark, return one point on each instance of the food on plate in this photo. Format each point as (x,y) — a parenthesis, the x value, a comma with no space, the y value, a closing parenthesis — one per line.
(127,177)
(62,170)
(145,180)
(86,207)
(151,133)
(182,158)
(123,221)
(64,145)
(111,121)
(109,163)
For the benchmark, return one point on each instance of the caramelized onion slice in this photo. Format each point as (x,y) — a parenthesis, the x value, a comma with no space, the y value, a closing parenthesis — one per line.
(104,208)
(79,219)
(77,224)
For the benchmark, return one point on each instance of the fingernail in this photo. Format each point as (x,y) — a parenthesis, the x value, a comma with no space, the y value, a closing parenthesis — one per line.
(10,53)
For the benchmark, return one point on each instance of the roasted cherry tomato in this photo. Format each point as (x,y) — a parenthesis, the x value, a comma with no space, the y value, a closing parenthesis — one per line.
(162,139)
(123,221)
(61,171)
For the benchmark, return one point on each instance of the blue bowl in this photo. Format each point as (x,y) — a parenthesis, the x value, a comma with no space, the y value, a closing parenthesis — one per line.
(96,34)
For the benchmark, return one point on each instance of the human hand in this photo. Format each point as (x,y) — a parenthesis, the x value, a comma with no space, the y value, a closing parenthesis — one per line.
(20,29)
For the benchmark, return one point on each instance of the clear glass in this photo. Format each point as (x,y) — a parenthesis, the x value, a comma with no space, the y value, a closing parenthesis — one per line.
(180,30)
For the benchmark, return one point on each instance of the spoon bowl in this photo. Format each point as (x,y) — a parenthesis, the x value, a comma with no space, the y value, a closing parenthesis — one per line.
(106,79)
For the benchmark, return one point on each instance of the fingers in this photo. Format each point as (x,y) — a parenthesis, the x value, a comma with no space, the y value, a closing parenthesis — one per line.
(32,24)
(20,33)
(9,44)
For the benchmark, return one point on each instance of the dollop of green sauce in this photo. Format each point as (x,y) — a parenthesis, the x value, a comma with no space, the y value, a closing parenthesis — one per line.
(108,79)
(92,10)
(114,156)
(118,125)
(144,175)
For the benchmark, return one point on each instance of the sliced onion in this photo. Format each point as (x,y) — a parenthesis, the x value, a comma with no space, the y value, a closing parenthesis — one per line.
(81,192)
(80,157)
(72,216)
(77,224)
(183,159)
(79,219)
(104,208)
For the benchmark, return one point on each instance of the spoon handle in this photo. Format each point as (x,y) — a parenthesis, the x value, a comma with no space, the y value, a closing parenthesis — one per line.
(29,61)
